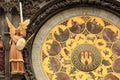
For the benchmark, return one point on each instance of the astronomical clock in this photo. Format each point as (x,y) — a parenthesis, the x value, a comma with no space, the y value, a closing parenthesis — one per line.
(82,48)
(65,39)
(78,43)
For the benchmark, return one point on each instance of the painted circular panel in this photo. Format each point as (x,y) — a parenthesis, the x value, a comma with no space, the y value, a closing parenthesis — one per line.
(86,57)
(82,48)
(116,48)
(111,77)
(116,65)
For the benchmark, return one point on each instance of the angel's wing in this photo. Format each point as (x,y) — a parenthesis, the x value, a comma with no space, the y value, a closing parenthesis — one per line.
(24,24)
(11,27)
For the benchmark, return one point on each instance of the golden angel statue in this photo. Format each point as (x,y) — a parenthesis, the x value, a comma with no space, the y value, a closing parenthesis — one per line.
(17,44)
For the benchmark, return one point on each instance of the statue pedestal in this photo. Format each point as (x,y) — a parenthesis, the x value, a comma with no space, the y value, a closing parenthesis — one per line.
(17,77)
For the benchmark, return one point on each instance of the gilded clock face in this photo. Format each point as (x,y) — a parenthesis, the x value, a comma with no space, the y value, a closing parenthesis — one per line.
(82,48)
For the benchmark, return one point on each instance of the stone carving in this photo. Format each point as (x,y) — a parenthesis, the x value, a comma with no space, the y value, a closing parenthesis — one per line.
(1,57)
(17,45)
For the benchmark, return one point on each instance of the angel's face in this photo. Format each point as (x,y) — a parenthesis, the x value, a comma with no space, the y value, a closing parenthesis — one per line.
(17,32)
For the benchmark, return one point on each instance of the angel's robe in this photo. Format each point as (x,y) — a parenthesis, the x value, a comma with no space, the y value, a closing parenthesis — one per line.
(16,59)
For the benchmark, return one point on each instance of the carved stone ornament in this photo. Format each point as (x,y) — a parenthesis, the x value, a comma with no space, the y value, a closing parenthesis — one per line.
(1,57)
